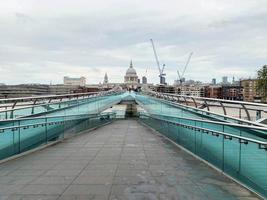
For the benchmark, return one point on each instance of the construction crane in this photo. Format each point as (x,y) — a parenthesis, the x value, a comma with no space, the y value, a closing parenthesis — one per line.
(161,70)
(181,76)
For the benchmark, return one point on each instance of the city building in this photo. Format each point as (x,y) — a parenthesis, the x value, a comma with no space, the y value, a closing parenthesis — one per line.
(213,82)
(213,91)
(225,80)
(250,92)
(105,79)
(232,92)
(183,80)
(191,90)
(163,88)
(131,78)
(29,90)
(62,89)
(74,81)
(144,80)
(235,82)
(23,90)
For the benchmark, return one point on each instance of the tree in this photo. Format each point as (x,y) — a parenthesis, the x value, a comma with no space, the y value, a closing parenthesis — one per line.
(262,81)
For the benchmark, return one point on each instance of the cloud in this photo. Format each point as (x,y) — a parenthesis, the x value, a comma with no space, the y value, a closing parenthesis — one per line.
(45,40)
(22,18)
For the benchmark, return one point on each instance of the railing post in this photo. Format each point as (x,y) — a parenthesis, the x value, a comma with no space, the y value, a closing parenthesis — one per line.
(14,149)
(6,113)
(168,129)
(19,137)
(194,101)
(246,110)
(185,101)
(240,157)
(240,149)
(258,114)
(207,105)
(59,105)
(33,106)
(178,132)
(64,124)
(11,114)
(46,139)
(224,110)
(223,150)
(195,138)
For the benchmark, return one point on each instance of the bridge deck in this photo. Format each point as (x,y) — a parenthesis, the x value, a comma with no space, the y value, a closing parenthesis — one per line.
(123,160)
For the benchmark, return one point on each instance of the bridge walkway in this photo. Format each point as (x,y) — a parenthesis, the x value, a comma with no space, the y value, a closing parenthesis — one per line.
(122,160)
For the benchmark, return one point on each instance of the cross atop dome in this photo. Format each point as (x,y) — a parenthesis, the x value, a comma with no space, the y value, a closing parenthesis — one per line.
(131,64)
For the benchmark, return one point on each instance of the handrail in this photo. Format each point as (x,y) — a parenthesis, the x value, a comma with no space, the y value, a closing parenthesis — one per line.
(39,132)
(12,102)
(242,139)
(60,102)
(64,117)
(209,102)
(207,111)
(43,117)
(47,96)
(215,122)
(44,104)
(216,100)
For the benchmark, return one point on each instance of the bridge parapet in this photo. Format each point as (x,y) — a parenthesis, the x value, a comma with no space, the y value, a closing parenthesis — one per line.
(230,148)
(18,107)
(20,135)
(238,109)
(27,127)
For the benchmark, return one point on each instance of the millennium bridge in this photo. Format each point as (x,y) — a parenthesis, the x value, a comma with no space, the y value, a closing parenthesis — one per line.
(123,145)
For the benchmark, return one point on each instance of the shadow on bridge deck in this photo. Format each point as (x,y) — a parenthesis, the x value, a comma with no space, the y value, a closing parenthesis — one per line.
(123,160)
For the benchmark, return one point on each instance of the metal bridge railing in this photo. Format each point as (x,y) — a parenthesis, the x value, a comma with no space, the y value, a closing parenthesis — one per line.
(171,108)
(20,135)
(242,158)
(243,127)
(16,107)
(262,143)
(243,110)
(26,101)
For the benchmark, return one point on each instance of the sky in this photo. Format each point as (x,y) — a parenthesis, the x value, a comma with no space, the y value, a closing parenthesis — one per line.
(43,40)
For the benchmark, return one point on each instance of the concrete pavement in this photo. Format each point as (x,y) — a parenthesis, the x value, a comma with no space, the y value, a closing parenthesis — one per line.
(121,161)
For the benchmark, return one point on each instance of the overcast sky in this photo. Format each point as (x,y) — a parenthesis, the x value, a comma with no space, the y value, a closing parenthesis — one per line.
(43,40)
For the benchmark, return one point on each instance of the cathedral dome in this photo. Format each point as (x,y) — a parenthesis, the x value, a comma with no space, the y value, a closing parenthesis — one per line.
(131,77)
(131,71)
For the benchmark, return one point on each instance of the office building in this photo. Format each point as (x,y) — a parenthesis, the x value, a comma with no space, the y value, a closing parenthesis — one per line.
(144,80)
(191,90)
(250,92)
(232,92)
(74,81)
(225,80)
(213,91)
